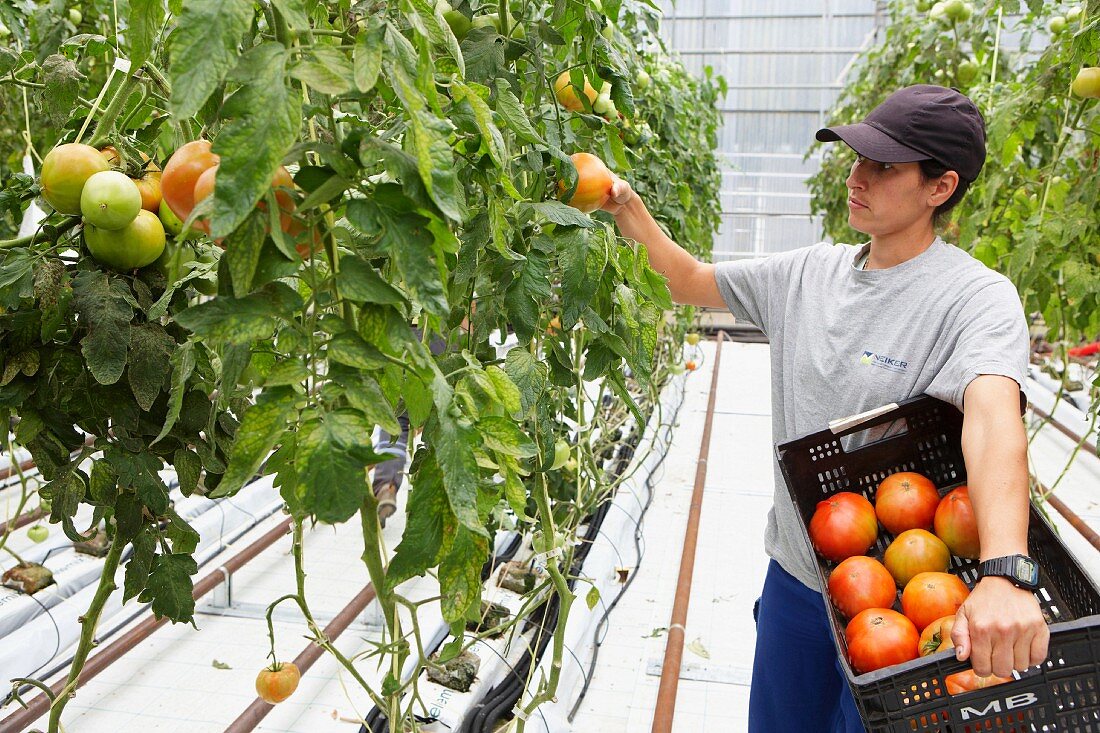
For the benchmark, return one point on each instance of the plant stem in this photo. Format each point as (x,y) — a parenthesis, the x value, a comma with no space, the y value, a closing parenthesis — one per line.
(106,124)
(88,624)
(32,238)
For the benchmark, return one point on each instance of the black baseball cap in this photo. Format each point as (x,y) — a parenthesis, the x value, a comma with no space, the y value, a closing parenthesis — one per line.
(922,122)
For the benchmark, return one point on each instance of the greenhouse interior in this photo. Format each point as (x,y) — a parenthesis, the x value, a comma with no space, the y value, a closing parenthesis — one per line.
(543,366)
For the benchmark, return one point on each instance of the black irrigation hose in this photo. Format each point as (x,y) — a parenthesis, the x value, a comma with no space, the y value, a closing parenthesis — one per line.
(376,721)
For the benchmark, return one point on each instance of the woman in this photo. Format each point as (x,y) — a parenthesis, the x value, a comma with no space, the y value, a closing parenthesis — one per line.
(856,327)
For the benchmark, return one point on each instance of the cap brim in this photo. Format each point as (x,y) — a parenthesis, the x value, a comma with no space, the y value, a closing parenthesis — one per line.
(872,143)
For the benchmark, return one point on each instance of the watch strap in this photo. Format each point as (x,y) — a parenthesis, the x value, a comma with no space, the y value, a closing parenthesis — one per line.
(1006,567)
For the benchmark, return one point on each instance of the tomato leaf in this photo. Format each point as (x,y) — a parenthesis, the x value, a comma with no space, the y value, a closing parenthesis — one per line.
(351,349)
(170,588)
(266,118)
(512,111)
(182,363)
(429,513)
(106,307)
(529,376)
(62,87)
(435,161)
(475,94)
(143,24)
(333,454)
(203,50)
(240,320)
(502,435)
(506,391)
(182,535)
(365,395)
(559,213)
(243,248)
(460,573)
(188,467)
(367,58)
(141,562)
(527,294)
(583,256)
(149,362)
(453,438)
(65,494)
(357,280)
(261,427)
(327,70)
(295,13)
(53,293)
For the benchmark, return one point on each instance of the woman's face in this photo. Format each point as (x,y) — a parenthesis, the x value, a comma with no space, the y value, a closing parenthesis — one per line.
(885,198)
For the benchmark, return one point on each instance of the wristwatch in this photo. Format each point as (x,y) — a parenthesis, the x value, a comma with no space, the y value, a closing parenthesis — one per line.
(1020,569)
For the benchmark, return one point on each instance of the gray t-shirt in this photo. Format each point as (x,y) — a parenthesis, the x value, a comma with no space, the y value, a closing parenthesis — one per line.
(845,340)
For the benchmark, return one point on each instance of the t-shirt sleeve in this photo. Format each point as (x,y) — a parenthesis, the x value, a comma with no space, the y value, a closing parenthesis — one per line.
(990,336)
(750,286)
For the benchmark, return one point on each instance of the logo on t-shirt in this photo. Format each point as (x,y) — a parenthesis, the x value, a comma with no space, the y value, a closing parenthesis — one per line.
(884,362)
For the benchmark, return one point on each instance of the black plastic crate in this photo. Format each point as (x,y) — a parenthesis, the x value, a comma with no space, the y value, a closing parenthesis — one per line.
(924,434)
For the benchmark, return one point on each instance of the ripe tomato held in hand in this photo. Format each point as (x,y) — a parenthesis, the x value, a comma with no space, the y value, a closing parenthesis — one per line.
(906,500)
(593,183)
(931,596)
(956,525)
(843,525)
(277,682)
(936,636)
(969,681)
(182,171)
(64,172)
(913,552)
(859,583)
(879,637)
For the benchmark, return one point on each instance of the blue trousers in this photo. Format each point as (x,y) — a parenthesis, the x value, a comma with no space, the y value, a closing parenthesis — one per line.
(797,682)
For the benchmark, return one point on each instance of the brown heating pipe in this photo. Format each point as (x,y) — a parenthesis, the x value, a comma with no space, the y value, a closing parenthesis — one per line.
(665,708)
(258,710)
(1062,428)
(40,705)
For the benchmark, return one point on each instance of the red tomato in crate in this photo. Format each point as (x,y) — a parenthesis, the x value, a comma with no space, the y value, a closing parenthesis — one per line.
(936,636)
(931,596)
(913,552)
(955,524)
(968,681)
(906,500)
(859,583)
(843,525)
(879,637)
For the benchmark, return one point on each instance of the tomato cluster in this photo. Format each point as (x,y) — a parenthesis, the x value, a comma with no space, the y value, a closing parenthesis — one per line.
(926,531)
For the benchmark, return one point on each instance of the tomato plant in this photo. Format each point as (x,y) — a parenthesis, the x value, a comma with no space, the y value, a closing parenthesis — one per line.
(418,172)
(906,500)
(956,524)
(859,583)
(843,525)
(931,596)
(915,551)
(277,682)
(880,637)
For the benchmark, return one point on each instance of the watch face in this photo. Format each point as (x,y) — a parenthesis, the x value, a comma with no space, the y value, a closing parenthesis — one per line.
(1027,570)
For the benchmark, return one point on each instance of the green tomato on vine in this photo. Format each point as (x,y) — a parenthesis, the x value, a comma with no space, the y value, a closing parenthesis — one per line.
(1074,14)
(967,72)
(38,533)
(561,454)
(1056,25)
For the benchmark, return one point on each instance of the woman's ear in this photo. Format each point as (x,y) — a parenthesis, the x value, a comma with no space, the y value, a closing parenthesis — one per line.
(944,189)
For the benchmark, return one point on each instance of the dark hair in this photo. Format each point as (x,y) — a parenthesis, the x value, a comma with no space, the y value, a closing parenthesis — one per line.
(933,169)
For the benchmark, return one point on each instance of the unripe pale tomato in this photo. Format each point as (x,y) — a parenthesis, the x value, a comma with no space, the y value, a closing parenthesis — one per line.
(567,94)
(110,200)
(561,454)
(692,338)
(1087,83)
(149,188)
(967,72)
(65,169)
(180,174)
(642,80)
(172,223)
(75,16)
(936,636)
(138,245)
(593,183)
(1056,25)
(172,260)
(913,552)
(277,682)
(459,23)
(1074,14)
(38,533)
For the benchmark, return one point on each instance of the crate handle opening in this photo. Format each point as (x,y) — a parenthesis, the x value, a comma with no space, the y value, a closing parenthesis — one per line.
(847,423)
